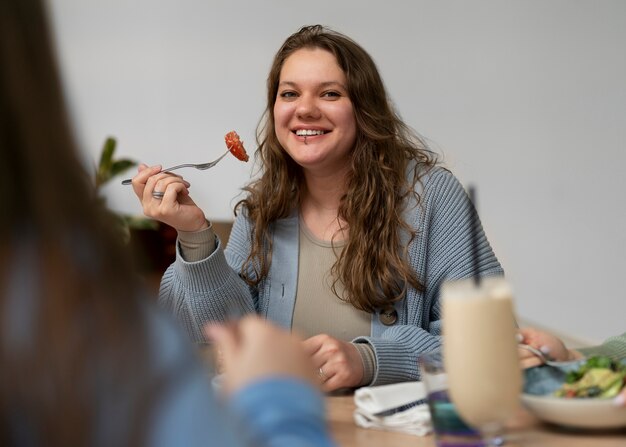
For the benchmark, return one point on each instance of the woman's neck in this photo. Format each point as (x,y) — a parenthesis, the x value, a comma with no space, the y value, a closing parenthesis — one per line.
(320,203)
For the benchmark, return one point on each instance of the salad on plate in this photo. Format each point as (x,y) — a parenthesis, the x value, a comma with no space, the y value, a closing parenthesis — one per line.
(599,377)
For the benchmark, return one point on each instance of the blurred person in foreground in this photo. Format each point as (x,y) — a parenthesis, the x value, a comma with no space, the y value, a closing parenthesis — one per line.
(553,347)
(85,359)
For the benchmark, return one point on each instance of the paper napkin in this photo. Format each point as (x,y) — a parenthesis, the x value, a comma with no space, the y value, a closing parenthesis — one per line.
(397,407)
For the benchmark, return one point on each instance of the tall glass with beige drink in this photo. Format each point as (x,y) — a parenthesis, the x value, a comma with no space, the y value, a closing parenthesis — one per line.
(480,352)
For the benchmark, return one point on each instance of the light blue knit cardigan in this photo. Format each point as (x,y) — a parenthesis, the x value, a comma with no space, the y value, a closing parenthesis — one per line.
(207,290)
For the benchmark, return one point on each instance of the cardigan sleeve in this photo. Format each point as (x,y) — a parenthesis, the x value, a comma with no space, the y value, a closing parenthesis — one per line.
(441,251)
(210,289)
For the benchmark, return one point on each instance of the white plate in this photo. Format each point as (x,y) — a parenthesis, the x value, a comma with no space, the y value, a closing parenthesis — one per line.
(578,413)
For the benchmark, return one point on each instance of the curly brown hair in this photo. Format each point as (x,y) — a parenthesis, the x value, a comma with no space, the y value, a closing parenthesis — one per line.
(387,161)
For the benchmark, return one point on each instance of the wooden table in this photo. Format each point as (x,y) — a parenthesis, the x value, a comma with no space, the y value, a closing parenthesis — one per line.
(522,430)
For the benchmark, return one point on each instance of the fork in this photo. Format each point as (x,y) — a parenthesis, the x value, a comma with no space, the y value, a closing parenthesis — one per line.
(542,356)
(200,166)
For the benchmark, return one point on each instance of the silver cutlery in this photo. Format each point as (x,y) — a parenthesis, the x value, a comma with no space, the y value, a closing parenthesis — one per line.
(200,166)
(542,356)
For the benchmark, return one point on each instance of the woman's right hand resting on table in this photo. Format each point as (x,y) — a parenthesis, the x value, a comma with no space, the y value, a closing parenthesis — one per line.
(338,362)
(176,208)
(254,349)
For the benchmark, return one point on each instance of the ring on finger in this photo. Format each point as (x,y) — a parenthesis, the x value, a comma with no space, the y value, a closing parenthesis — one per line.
(158,194)
(322,375)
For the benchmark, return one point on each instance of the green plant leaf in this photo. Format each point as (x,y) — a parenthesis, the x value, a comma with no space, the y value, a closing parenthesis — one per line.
(122,165)
(106,157)
(103,174)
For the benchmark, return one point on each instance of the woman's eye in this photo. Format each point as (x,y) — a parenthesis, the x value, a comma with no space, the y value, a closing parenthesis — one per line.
(331,94)
(287,94)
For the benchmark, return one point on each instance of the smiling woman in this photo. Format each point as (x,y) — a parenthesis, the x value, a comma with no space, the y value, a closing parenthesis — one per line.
(347,233)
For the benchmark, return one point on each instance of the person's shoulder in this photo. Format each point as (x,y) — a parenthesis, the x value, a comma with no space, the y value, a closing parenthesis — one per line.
(441,189)
(436,180)
(437,174)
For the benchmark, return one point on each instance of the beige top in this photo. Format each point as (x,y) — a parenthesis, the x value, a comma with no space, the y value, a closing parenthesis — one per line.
(317,309)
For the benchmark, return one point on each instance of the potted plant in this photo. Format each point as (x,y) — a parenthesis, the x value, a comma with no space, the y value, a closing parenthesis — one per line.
(152,243)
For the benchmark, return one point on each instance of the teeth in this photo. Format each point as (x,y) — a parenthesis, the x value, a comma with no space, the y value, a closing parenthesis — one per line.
(303,132)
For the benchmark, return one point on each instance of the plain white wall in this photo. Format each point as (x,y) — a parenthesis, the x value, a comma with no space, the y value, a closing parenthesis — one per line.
(526,99)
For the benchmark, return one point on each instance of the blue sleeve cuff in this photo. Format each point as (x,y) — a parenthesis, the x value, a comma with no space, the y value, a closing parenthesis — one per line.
(283,411)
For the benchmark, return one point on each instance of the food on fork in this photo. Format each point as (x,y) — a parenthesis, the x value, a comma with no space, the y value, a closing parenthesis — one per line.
(235,146)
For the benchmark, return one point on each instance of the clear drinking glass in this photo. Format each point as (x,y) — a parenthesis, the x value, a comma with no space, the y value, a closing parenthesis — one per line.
(449,429)
(480,353)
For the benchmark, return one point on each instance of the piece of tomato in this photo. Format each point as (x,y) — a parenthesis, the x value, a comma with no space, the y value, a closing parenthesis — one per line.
(235,146)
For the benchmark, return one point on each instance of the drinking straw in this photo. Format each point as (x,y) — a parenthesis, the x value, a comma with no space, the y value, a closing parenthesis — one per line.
(474,230)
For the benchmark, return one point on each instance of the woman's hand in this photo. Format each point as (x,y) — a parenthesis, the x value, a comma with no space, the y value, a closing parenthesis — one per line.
(254,349)
(338,363)
(176,208)
(547,343)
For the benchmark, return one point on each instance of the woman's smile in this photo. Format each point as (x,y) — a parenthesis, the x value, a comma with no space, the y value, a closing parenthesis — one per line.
(313,114)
